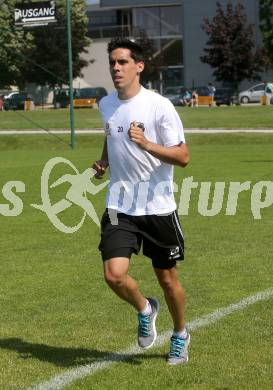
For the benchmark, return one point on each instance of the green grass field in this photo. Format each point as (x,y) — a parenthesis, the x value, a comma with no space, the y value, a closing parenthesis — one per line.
(57,314)
(200,117)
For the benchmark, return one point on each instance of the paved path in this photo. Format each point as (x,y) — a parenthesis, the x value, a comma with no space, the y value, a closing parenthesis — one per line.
(100,131)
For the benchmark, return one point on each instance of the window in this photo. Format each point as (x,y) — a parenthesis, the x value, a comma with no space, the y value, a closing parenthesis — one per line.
(171,20)
(159,21)
(148,19)
(259,87)
(105,18)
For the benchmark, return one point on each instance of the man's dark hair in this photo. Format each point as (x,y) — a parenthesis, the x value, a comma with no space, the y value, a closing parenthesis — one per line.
(124,43)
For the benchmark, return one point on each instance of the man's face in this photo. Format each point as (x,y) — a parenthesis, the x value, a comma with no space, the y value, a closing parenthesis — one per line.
(123,68)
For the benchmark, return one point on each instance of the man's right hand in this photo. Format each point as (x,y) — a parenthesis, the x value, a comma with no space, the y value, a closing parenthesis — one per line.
(100,167)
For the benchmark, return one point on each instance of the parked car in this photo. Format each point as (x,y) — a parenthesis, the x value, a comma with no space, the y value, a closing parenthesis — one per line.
(61,98)
(10,94)
(175,94)
(82,97)
(226,96)
(253,94)
(173,89)
(202,91)
(92,93)
(16,100)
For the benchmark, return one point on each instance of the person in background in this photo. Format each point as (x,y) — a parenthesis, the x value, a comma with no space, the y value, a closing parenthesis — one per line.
(268,87)
(186,99)
(194,98)
(1,102)
(211,90)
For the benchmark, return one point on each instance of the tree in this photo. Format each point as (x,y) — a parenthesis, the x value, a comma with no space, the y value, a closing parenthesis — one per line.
(40,55)
(231,46)
(14,45)
(50,47)
(266,26)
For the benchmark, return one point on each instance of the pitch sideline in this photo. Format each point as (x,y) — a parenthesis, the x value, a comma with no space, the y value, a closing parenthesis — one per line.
(60,381)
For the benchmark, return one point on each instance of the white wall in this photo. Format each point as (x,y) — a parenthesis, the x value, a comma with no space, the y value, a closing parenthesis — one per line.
(96,74)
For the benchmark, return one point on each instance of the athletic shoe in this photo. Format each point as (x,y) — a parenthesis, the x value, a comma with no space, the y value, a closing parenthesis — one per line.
(179,350)
(146,326)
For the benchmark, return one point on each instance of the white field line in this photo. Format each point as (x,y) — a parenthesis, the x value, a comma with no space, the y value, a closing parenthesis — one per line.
(70,376)
(101,131)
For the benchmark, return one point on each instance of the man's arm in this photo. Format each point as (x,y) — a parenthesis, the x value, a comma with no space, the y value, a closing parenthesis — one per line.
(101,165)
(176,155)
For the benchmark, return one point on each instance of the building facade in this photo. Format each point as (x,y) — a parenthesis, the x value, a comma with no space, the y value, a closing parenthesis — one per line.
(174,30)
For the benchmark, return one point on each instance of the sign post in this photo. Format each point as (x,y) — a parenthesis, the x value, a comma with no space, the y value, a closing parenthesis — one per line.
(70,70)
(41,14)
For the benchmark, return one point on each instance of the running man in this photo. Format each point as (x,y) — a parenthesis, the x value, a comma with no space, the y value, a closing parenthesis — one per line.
(144,139)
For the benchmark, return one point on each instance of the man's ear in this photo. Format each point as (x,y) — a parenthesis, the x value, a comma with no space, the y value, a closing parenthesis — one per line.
(140,67)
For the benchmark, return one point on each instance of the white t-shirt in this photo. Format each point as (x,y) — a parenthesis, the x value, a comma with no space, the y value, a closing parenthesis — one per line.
(140,184)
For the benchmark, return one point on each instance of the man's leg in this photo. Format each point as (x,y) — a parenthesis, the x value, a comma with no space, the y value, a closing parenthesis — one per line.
(175,298)
(174,295)
(116,276)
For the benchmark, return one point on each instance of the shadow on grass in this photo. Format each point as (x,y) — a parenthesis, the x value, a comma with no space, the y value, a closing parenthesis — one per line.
(69,357)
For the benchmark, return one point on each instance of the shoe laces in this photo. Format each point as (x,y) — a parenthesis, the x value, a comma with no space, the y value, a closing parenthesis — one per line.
(177,346)
(144,325)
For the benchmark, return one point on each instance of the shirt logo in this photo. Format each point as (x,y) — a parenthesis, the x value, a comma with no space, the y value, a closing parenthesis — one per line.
(139,124)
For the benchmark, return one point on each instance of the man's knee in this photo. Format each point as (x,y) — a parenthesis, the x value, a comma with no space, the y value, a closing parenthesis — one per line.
(168,285)
(114,279)
(168,280)
(115,274)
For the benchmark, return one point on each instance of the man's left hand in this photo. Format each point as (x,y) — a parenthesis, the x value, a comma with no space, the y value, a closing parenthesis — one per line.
(137,135)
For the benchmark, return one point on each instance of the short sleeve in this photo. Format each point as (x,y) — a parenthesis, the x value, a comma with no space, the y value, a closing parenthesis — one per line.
(169,124)
(101,109)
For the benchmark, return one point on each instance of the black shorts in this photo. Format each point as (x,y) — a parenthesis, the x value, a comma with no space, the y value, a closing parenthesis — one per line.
(160,235)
